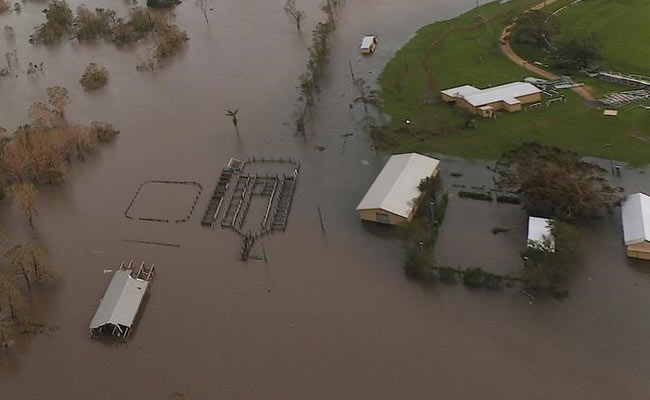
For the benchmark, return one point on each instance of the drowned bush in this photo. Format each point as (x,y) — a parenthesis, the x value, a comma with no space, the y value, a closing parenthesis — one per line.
(94,77)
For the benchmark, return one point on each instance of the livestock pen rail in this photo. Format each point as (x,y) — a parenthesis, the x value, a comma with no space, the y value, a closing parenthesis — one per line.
(240,183)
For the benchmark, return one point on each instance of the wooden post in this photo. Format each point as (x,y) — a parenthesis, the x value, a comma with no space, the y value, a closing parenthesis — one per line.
(320,217)
(351,71)
(266,260)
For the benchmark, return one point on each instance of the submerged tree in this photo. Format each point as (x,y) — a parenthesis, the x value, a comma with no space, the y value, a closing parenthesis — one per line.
(58,21)
(25,193)
(204,5)
(556,182)
(293,13)
(17,256)
(58,99)
(235,120)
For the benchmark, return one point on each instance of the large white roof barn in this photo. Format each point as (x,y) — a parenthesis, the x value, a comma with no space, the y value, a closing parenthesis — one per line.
(391,198)
(540,235)
(636,225)
(119,306)
(484,102)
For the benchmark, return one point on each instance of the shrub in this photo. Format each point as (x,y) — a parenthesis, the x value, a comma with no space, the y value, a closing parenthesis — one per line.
(447,274)
(418,265)
(94,77)
(139,24)
(475,195)
(90,25)
(4,6)
(162,3)
(170,39)
(102,131)
(508,199)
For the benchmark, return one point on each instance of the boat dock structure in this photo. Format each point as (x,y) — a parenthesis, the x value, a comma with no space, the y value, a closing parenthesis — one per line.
(119,307)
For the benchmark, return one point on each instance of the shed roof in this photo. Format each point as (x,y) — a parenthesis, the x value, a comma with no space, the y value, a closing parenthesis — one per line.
(121,301)
(636,219)
(480,97)
(367,41)
(539,230)
(396,187)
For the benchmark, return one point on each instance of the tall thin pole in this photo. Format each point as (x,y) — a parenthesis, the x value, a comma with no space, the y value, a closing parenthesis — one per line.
(351,71)
(320,217)
(266,260)
(611,159)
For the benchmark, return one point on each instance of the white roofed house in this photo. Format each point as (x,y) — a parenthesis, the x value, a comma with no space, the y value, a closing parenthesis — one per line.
(485,102)
(540,235)
(391,198)
(636,225)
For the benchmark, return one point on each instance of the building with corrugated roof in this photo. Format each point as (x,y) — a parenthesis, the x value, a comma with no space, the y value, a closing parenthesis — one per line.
(118,308)
(485,102)
(391,198)
(636,225)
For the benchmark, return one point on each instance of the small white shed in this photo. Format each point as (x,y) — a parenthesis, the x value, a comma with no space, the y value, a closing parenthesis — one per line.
(368,44)
(636,225)
(540,235)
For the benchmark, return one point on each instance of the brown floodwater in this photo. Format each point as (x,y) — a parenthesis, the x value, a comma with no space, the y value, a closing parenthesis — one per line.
(331,316)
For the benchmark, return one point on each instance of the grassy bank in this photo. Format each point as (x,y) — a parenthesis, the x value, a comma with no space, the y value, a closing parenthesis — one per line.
(464,51)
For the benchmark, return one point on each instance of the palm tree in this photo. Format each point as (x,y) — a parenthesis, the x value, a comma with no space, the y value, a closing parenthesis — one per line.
(233,114)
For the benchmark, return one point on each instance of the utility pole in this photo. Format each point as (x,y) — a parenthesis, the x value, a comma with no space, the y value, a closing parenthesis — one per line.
(611,159)
(351,71)
(320,217)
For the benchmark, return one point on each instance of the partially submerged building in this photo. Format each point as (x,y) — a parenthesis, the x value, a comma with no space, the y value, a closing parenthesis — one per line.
(368,44)
(485,102)
(121,302)
(391,198)
(540,235)
(636,225)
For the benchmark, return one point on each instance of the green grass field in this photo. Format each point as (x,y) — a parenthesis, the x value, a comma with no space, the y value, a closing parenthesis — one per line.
(622,25)
(464,50)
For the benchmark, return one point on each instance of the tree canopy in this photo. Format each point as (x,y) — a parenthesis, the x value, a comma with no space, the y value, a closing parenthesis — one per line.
(556,182)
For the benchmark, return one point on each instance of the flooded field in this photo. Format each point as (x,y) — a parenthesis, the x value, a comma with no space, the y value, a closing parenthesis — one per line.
(331,316)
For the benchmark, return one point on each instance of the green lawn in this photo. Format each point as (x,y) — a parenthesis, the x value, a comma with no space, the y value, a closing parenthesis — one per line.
(622,25)
(464,50)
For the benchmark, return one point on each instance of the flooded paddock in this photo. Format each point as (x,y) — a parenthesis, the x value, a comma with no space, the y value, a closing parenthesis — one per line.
(331,315)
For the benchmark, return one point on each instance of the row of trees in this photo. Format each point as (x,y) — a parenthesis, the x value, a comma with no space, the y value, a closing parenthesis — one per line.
(37,153)
(318,58)
(538,29)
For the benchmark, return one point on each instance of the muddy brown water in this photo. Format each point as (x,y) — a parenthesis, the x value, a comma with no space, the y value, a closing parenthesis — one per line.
(331,315)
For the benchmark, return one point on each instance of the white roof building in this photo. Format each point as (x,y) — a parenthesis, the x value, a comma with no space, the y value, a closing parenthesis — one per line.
(507,93)
(539,234)
(636,219)
(396,187)
(367,42)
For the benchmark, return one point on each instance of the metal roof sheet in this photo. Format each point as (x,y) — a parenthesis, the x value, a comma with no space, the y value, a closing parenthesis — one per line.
(396,187)
(121,301)
(539,230)
(636,219)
